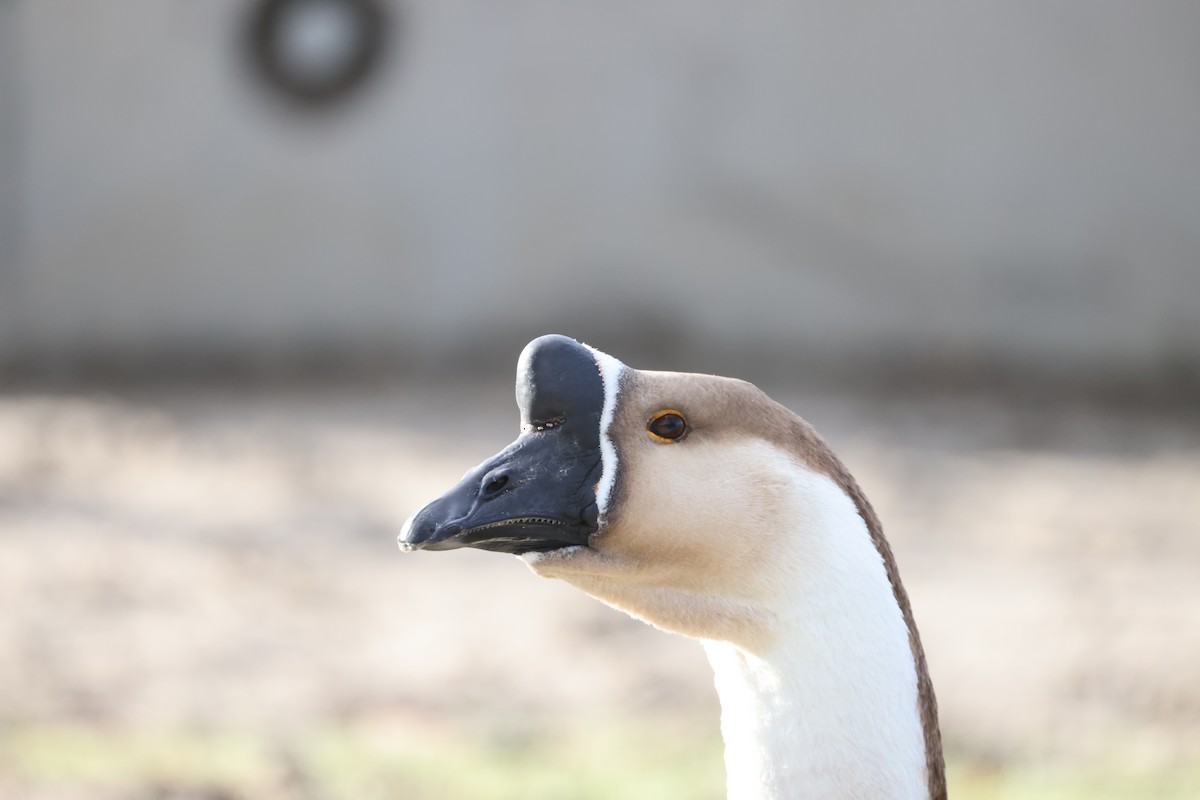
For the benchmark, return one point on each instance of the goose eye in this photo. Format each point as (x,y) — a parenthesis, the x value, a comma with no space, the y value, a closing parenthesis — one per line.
(667,426)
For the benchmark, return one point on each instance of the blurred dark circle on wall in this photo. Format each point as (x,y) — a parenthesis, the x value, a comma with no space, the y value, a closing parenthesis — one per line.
(317,53)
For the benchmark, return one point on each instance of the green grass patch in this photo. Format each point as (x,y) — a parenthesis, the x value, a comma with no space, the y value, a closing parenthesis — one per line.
(499,763)
(598,761)
(1111,780)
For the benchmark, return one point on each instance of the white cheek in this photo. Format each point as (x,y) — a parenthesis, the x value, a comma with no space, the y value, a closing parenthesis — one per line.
(610,375)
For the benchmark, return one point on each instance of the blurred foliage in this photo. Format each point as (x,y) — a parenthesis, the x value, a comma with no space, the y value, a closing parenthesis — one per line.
(593,762)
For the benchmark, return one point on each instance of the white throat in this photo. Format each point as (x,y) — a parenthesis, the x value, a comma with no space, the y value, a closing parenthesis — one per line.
(830,708)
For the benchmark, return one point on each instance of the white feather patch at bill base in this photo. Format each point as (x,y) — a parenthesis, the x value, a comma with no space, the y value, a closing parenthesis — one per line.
(610,375)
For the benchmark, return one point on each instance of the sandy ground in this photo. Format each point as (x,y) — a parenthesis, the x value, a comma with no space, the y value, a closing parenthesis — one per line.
(224,557)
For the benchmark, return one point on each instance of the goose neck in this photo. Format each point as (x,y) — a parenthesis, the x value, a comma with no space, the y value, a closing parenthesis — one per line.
(830,709)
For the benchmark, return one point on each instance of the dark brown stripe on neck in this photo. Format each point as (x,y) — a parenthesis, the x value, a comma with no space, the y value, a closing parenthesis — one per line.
(818,454)
(935,767)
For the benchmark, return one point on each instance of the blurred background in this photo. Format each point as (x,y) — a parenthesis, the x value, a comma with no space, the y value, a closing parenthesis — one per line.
(265,269)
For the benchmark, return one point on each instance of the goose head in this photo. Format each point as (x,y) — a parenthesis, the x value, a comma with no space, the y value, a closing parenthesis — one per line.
(669,495)
(698,504)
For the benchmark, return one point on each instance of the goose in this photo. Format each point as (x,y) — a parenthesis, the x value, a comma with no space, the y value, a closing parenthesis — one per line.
(701,506)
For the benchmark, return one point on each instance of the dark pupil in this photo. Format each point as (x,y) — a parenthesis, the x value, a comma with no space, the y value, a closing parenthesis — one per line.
(668,426)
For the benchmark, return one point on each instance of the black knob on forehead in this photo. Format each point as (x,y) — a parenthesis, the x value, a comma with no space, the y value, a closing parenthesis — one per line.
(558,378)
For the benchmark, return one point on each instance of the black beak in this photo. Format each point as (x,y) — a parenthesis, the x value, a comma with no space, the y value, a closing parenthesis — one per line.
(539,493)
(536,494)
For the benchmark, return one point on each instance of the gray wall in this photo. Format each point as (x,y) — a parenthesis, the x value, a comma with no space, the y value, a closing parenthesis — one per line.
(857,184)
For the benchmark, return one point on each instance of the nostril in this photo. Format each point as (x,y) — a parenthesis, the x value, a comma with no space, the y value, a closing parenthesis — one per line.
(494,485)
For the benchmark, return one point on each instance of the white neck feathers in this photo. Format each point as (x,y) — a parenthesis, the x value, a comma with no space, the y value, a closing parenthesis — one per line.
(830,709)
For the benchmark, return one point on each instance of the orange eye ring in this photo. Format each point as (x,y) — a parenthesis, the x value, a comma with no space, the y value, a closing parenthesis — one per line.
(667,426)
